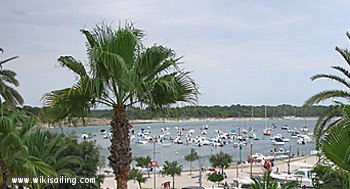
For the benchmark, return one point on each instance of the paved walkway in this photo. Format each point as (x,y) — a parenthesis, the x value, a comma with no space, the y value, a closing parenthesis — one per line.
(233,172)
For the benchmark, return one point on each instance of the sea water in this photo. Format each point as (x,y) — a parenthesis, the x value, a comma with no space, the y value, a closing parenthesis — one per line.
(176,152)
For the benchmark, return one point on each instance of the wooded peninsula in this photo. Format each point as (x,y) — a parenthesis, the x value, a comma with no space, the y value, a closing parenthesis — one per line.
(203,112)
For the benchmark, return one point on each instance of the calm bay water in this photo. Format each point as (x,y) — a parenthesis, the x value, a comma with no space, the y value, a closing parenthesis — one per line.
(178,151)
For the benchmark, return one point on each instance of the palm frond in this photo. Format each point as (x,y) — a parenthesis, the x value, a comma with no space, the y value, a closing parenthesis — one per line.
(7,60)
(170,89)
(325,121)
(336,145)
(9,77)
(342,70)
(27,125)
(345,54)
(124,44)
(73,102)
(113,64)
(331,77)
(90,38)
(34,167)
(328,94)
(154,61)
(68,160)
(73,64)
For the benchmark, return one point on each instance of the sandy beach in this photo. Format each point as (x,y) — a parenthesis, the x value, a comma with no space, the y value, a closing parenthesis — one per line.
(232,173)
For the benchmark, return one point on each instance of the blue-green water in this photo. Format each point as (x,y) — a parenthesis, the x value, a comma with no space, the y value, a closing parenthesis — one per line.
(178,151)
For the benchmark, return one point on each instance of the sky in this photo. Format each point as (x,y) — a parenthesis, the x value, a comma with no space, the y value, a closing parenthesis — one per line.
(239,52)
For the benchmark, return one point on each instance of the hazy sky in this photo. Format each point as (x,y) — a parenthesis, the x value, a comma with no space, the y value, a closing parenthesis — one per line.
(246,52)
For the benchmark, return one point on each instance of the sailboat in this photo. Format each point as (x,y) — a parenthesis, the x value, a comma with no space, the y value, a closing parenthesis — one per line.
(266,131)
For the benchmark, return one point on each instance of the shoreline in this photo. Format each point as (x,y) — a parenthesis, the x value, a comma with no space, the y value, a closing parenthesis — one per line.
(233,173)
(106,122)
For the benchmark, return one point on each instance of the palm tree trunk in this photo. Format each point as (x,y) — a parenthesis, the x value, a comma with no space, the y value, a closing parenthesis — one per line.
(139,184)
(120,158)
(173,182)
(3,167)
(190,167)
(3,185)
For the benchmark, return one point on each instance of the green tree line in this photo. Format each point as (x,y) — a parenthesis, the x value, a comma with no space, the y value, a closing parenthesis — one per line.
(220,112)
(207,111)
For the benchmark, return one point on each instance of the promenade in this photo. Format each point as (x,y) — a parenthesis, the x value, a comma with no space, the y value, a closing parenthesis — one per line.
(232,173)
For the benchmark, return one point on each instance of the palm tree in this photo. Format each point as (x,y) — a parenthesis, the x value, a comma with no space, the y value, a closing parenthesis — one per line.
(122,73)
(52,150)
(172,169)
(328,177)
(67,157)
(7,82)
(220,160)
(15,158)
(192,156)
(336,147)
(325,121)
(137,176)
(144,162)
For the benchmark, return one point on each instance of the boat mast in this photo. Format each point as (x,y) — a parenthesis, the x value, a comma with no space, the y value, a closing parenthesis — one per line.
(265,118)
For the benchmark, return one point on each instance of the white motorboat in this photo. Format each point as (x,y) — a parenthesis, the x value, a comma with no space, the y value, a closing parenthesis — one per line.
(304,176)
(252,135)
(191,131)
(285,139)
(295,134)
(279,151)
(105,136)
(243,131)
(205,127)
(140,141)
(258,157)
(278,141)
(304,139)
(284,127)
(276,136)
(178,140)
(85,136)
(217,131)
(304,129)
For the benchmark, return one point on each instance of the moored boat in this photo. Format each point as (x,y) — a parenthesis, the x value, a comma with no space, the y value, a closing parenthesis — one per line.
(304,129)
(278,141)
(284,127)
(279,151)
(266,132)
(233,132)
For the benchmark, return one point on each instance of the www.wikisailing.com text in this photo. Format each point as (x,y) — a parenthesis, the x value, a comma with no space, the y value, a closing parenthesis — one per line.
(52,180)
